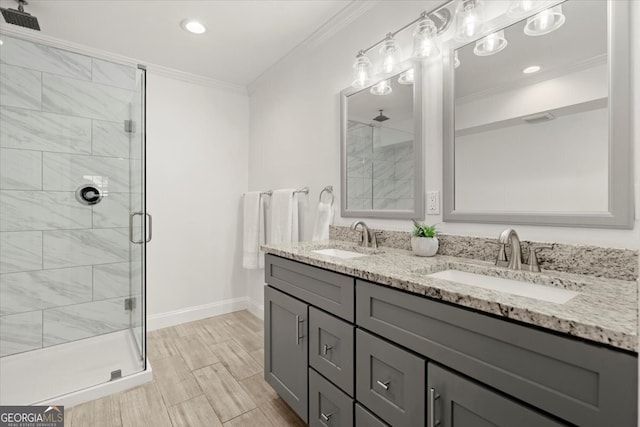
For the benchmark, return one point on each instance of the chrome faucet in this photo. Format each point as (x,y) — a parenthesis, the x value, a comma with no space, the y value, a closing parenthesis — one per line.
(514,261)
(369,239)
(509,236)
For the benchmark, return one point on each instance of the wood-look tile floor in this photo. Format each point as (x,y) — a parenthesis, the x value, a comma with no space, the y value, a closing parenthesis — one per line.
(206,374)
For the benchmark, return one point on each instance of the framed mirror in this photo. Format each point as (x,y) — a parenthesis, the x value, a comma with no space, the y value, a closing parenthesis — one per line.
(382,174)
(539,131)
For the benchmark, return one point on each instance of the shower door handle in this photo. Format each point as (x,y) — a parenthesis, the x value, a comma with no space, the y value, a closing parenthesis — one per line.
(131,218)
(149,227)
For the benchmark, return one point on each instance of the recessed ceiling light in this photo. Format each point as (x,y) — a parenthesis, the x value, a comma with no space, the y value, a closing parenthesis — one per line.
(192,26)
(532,69)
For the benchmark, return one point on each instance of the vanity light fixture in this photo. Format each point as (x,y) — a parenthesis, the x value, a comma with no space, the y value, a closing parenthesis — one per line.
(424,38)
(407,77)
(532,69)
(381,88)
(491,44)
(545,22)
(440,17)
(389,52)
(469,19)
(193,26)
(362,71)
(456,60)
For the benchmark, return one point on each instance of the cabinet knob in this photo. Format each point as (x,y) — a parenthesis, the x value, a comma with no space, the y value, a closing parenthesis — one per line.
(383,384)
(326,348)
(326,417)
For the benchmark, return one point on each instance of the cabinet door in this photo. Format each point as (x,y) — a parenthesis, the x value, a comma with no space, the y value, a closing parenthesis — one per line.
(454,401)
(328,405)
(390,381)
(286,348)
(331,348)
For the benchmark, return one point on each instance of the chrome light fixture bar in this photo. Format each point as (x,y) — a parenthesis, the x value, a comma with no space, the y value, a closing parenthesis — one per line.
(363,73)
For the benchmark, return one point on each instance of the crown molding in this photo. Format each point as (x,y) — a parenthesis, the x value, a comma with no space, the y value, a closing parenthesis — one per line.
(337,22)
(155,69)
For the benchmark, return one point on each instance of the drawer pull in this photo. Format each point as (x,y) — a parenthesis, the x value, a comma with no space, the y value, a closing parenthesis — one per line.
(326,417)
(298,321)
(326,348)
(384,385)
(433,396)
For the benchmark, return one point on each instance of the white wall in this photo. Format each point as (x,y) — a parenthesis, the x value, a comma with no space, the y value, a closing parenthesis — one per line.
(295,137)
(197,148)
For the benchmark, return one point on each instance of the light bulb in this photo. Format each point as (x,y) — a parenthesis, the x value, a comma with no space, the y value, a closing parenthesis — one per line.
(389,52)
(469,19)
(493,43)
(381,88)
(424,39)
(545,22)
(361,71)
(519,8)
(407,78)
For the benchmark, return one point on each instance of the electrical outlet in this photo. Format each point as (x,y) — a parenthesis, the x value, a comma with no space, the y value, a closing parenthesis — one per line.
(433,202)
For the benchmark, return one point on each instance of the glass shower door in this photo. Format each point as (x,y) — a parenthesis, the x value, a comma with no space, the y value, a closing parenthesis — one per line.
(72,282)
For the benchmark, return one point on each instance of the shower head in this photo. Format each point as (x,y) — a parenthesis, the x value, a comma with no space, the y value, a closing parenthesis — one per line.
(20,17)
(380,117)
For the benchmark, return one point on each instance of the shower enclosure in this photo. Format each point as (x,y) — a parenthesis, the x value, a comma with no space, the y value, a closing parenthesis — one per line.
(73,224)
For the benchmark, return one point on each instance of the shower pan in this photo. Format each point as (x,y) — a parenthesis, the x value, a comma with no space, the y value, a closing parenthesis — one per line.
(73,225)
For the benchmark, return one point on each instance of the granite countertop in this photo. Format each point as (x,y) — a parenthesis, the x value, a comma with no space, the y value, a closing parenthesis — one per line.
(605,311)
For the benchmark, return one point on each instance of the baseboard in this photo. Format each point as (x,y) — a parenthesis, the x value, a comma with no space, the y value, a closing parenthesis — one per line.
(190,314)
(255,308)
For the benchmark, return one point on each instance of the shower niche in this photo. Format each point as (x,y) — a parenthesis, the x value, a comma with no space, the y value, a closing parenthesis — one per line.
(72,240)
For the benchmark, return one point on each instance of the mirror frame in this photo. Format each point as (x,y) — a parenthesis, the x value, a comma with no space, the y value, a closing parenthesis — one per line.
(418,156)
(621,203)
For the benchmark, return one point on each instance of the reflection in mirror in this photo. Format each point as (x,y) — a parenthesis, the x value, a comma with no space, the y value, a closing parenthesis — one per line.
(532,125)
(380,149)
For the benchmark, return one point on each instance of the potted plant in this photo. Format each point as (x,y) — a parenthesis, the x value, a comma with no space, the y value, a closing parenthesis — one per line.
(424,241)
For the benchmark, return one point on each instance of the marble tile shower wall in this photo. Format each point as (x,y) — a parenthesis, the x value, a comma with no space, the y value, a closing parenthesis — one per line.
(64,267)
(380,177)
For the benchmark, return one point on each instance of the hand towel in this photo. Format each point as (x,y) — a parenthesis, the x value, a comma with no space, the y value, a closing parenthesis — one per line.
(324,219)
(284,216)
(253,230)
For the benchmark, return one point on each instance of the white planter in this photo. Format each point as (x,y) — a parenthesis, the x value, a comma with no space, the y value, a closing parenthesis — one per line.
(424,246)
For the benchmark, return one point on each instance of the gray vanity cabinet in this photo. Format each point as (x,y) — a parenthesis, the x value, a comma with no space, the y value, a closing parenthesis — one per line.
(375,360)
(455,401)
(286,349)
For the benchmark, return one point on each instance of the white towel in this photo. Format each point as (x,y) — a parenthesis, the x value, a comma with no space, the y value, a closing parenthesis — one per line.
(253,230)
(284,216)
(324,219)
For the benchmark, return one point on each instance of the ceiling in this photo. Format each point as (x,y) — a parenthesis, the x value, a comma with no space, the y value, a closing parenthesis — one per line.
(244,38)
(582,37)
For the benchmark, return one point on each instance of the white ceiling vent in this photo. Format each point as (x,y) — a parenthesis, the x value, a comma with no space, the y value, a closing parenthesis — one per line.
(538,118)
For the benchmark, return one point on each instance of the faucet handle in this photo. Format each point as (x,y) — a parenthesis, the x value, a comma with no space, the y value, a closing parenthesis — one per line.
(533,258)
(374,238)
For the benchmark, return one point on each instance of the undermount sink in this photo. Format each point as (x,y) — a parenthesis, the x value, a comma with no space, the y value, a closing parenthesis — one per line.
(509,286)
(339,253)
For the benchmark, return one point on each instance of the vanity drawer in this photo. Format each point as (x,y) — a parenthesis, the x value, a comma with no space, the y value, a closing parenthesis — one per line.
(330,291)
(331,348)
(529,364)
(328,405)
(364,418)
(391,380)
